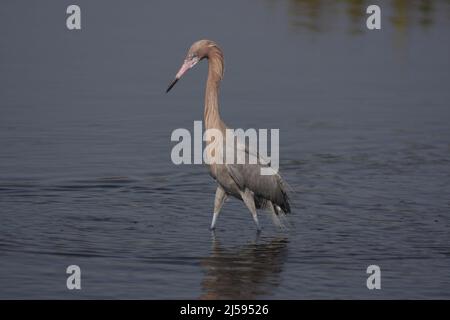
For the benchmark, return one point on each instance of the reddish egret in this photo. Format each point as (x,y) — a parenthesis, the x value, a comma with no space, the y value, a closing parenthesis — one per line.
(242,181)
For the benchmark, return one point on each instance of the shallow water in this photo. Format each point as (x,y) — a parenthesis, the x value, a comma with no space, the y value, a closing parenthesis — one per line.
(85,170)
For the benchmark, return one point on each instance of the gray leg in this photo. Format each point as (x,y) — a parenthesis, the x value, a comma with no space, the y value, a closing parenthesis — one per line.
(281,217)
(275,218)
(249,201)
(221,196)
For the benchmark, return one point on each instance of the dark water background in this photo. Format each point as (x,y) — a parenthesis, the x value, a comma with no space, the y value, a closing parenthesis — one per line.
(85,170)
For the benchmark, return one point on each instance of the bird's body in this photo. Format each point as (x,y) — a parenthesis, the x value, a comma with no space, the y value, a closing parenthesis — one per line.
(242,181)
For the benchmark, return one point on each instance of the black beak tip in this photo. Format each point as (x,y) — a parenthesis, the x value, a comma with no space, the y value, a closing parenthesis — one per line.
(171,85)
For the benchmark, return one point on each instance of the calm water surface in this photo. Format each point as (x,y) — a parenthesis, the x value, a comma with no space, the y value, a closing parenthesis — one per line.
(85,170)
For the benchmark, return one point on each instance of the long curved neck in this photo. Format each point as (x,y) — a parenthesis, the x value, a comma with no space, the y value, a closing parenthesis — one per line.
(215,74)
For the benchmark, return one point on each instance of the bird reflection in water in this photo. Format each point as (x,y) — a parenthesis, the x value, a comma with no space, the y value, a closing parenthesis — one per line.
(244,272)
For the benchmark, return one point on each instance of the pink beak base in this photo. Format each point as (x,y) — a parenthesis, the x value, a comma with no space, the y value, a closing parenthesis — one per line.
(188,64)
(185,67)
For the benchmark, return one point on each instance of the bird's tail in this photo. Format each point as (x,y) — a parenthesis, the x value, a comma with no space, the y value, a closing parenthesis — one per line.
(285,204)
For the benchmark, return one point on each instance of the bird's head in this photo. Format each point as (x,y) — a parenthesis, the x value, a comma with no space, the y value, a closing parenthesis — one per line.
(198,51)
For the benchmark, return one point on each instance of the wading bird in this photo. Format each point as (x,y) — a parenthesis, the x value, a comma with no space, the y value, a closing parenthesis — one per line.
(242,181)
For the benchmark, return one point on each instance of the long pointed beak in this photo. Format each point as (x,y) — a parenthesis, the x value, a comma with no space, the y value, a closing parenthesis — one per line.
(188,64)
(172,84)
